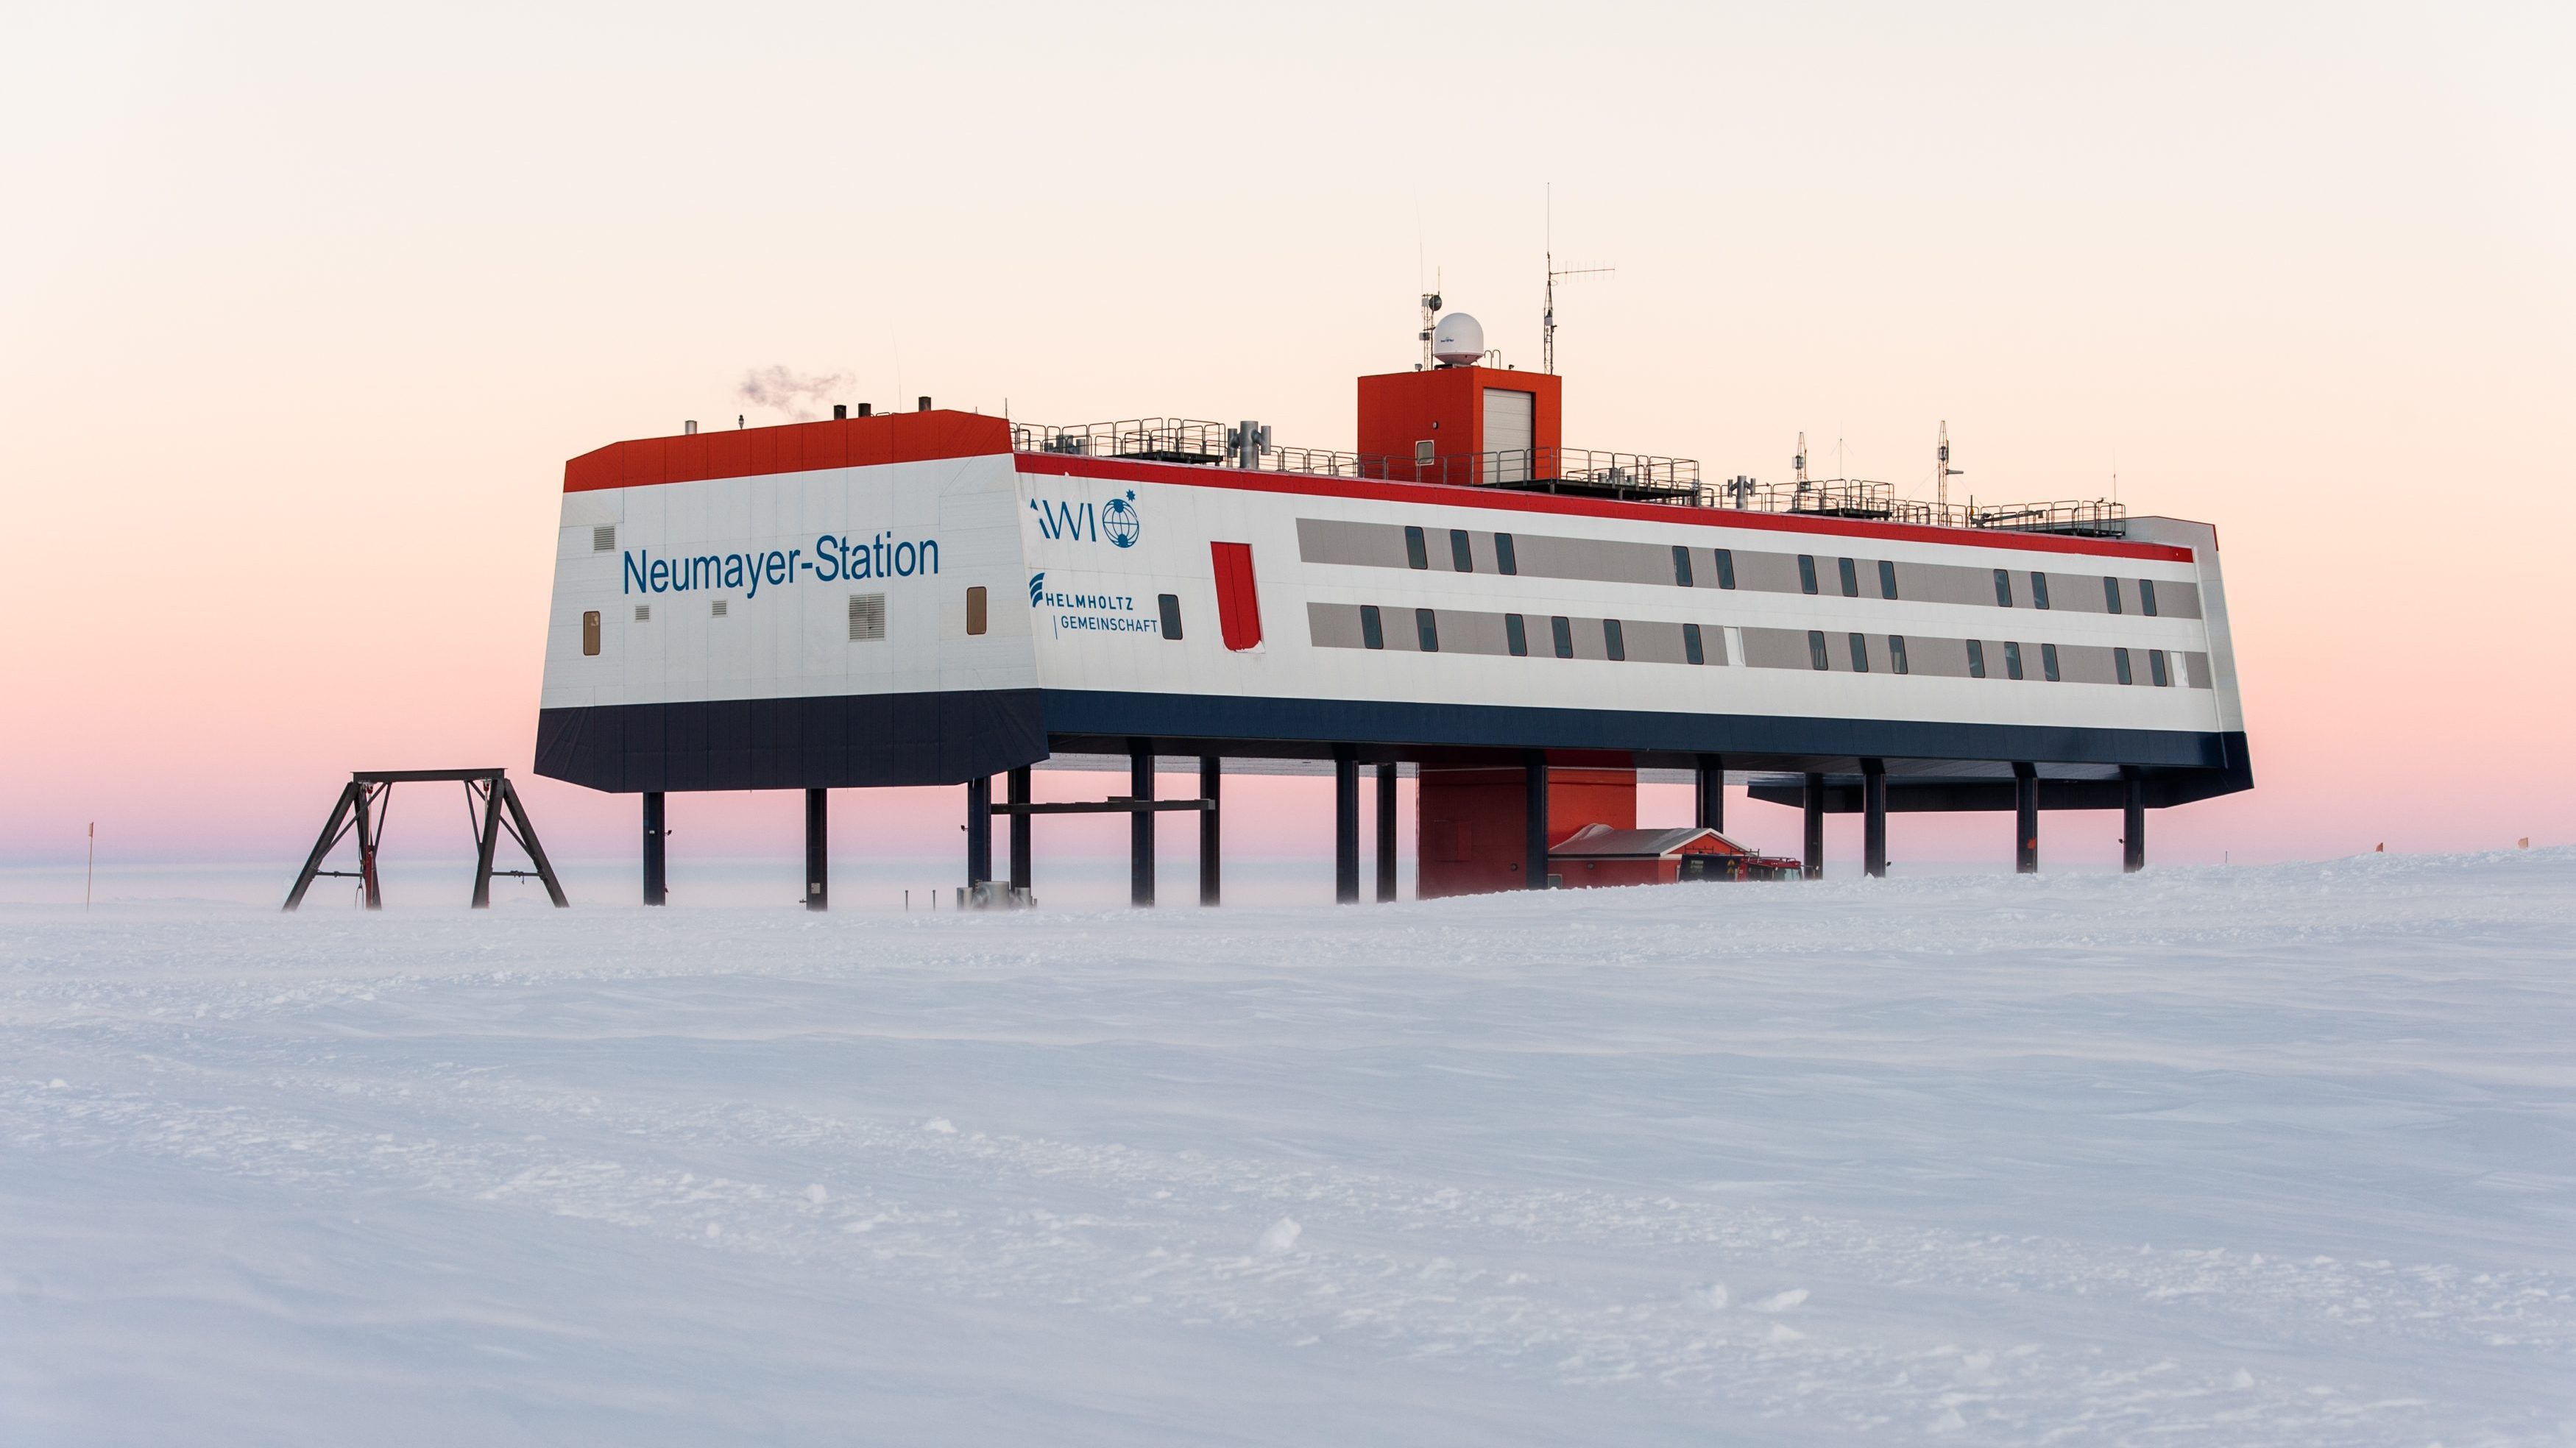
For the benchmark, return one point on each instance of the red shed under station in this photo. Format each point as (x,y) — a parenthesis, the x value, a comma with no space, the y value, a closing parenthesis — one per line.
(936,597)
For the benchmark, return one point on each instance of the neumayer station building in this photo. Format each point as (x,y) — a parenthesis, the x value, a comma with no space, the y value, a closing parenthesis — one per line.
(939,597)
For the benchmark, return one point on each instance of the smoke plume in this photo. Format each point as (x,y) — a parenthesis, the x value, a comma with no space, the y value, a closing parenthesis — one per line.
(801,398)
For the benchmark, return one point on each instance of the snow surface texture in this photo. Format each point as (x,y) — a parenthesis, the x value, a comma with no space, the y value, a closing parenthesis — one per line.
(2276,1156)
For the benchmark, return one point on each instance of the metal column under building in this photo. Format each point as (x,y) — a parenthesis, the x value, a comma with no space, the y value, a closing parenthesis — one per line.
(1708,809)
(818,863)
(1211,772)
(979,832)
(656,872)
(1534,819)
(1873,818)
(1140,823)
(2026,819)
(1017,789)
(1385,833)
(1815,841)
(1346,824)
(2133,821)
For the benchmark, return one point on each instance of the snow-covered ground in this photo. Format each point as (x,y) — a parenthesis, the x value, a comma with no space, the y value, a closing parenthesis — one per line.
(2282,1156)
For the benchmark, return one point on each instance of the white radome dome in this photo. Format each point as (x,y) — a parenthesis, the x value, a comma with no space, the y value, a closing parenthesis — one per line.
(1459,340)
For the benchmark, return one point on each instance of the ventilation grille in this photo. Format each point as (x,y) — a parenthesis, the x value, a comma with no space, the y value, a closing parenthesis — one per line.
(643,613)
(603,539)
(867,618)
(717,608)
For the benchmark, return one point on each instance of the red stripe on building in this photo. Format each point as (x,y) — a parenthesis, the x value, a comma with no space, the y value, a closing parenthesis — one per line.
(797,447)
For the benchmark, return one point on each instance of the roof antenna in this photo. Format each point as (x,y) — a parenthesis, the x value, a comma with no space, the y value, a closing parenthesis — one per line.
(1430,321)
(1547,319)
(1942,473)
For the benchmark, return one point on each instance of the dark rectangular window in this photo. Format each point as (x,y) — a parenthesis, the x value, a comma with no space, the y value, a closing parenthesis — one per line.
(2003,587)
(2156,668)
(1806,573)
(2038,589)
(1613,641)
(975,609)
(1506,558)
(1372,628)
(1886,579)
(1516,635)
(2147,597)
(1681,565)
(1851,579)
(1816,649)
(1171,606)
(2111,594)
(1562,630)
(2120,665)
(1726,568)
(1691,648)
(1976,658)
(2012,661)
(1896,654)
(1417,554)
(2048,661)
(1461,557)
(1426,627)
(1860,653)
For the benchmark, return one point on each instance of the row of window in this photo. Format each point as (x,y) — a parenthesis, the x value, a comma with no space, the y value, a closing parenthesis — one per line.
(1417,554)
(1614,638)
(2159,670)
(1426,629)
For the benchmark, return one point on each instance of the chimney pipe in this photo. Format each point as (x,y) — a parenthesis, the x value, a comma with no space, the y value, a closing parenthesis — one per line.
(866,408)
(690,428)
(840,411)
(925,404)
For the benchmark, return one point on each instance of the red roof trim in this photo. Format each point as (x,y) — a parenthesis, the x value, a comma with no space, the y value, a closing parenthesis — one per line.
(1451,495)
(797,447)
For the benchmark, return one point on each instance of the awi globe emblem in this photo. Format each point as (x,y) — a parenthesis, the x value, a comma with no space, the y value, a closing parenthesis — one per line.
(1118,519)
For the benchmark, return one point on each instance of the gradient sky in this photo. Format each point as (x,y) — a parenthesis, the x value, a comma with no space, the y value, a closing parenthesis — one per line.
(302,309)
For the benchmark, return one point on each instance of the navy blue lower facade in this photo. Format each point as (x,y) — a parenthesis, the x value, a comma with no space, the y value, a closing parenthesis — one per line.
(840,742)
(947,738)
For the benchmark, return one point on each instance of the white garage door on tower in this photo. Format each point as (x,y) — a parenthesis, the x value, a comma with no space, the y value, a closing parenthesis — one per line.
(1509,423)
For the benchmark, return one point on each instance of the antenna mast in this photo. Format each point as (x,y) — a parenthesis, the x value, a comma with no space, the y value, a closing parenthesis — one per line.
(1942,473)
(1547,321)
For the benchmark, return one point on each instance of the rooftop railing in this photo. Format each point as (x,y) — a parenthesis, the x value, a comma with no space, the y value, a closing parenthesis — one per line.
(1582,472)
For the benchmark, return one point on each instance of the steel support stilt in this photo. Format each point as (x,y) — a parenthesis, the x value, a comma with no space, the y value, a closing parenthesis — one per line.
(979,832)
(1346,825)
(1385,833)
(1017,785)
(1814,868)
(1211,774)
(1873,818)
(1708,807)
(2026,819)
(2133,821)
(818,850)
(656,868)
(1140,824)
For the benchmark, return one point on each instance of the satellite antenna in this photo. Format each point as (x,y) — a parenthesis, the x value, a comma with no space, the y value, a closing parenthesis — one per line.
(1800,462)
(1547,321)
(1942,473)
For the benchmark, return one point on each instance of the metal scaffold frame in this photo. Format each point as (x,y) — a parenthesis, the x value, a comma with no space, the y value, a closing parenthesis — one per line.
(491,808)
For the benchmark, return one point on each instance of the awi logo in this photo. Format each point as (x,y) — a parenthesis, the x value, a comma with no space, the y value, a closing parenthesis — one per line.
(1116,521)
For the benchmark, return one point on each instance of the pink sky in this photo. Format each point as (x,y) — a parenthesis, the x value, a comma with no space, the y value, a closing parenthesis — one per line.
(305,309)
